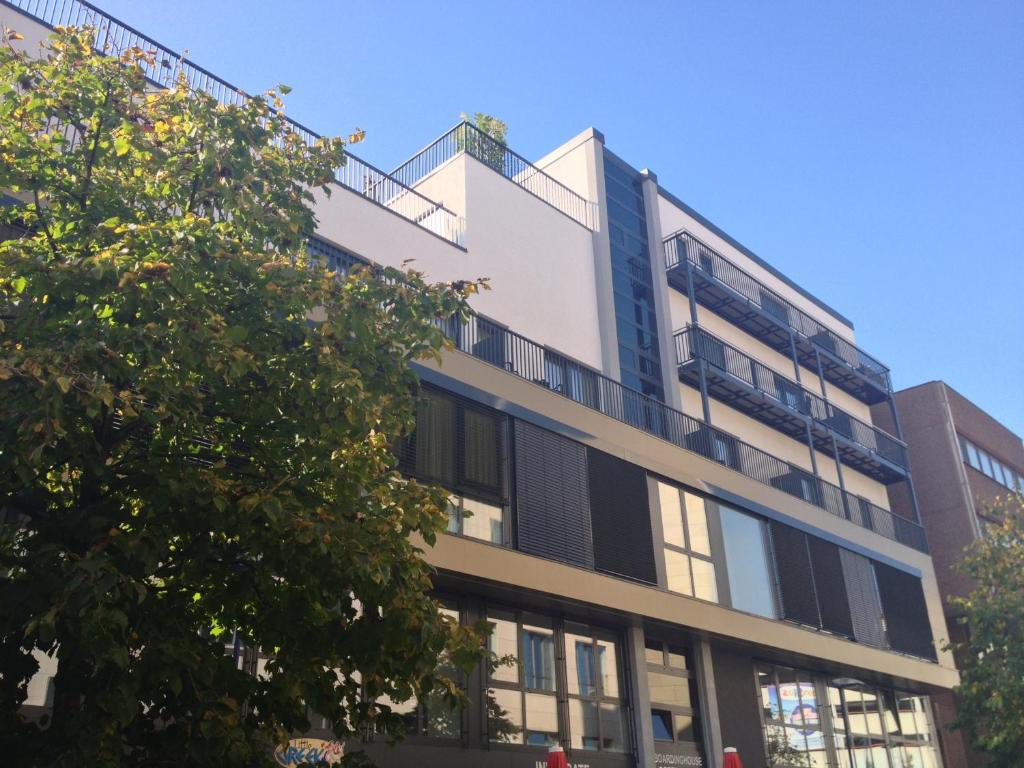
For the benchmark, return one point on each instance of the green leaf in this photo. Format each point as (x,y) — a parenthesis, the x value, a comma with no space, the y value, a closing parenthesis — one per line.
(121,145)
(19,284)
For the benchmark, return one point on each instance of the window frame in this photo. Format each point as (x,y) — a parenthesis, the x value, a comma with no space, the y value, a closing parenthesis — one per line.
(688,673)
(687,550)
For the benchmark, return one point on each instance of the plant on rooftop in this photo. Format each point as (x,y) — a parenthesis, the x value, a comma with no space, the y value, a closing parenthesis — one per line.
(196,430)
(490,148)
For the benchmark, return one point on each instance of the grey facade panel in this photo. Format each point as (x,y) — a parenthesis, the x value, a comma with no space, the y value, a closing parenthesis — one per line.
(796,576)
(552,496)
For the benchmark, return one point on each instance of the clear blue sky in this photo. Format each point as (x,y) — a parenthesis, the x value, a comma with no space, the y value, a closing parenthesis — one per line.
(872,151)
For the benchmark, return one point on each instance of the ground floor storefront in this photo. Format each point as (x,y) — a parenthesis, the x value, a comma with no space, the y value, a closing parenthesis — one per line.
(616,691)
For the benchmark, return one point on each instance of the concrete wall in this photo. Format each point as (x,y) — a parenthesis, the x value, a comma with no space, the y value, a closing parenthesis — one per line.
(541,274)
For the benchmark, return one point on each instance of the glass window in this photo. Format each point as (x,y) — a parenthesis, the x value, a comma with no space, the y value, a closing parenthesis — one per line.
(746,559)
(654,653)
(671,515)
(504,716)
(661,720)
(670,689)
(592,673)
(541,720)
(677,572)
(538,657)
(481,520)
(697,524)
(688,567)
(972,455)
(502,643)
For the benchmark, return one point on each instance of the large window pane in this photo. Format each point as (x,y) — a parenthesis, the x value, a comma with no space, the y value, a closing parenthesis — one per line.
(613,728)
(581,671)
(686,728)
(504,716)
(671,515)
(503,642)
(697,524)
(677,572)
(750,583)
(484,522)
(538,658)
(704,585)
(541,719)
(608,668)
(583,730)
(661,722)
(670,689)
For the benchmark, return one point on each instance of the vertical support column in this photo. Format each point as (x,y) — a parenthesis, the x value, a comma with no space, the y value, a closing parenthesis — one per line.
(839,474)
(792,353)
(640,696)
(810,447)
(909,481)
(594,141)
(708,702)
(659,278)
(702,366)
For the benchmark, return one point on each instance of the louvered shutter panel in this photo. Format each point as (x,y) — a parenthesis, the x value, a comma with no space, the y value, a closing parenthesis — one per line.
(862,594)
(906,616)
(620,517)
(552,497)
(796,577)
(830,586)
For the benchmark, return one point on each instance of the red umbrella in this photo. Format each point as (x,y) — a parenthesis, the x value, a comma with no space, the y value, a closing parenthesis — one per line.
(732,758)
(556,757)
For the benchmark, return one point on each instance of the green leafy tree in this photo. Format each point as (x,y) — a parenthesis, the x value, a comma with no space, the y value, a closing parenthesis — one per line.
(490,147)
(991,659)
(196,425)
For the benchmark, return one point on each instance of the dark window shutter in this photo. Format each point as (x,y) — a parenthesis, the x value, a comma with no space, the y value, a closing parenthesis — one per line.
(830,586)
(620,517)
(552,498)
(429,452)
(906,616)
(481,442)
(796,577)
(862,594)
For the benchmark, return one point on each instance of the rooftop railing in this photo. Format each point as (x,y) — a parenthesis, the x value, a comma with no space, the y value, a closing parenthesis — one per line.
(682,246)
(575,381)
(356,175)
(694,342)
(466,137)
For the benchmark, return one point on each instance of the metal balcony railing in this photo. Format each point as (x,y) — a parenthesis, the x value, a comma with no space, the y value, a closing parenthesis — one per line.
(571,379)
(466,137)
(696,343)
(682,247)
(356,175)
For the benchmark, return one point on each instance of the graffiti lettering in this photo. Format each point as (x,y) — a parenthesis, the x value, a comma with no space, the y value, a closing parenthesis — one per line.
(300,751)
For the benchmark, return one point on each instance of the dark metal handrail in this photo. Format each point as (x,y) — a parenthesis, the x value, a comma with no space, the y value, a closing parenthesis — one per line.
(683,246)
(466,137)
(356,175)
(576,381)
(694,342)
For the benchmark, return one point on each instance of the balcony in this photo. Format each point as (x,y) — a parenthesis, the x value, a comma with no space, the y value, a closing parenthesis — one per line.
(356,175)
(734,294)
(575,381)
(749,386)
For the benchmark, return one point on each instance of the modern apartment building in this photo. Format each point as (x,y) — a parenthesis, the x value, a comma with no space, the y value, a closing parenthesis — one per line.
(964,460)
(680,522)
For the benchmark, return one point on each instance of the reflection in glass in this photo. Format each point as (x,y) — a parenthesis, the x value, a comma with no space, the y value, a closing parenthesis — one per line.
(613,728)
(661,721)
(670,689)
(677,572)
(485,521)
(502,642)
(504,716)
(704,585)
(686,728)
(583,724)
(697,524)
(671,515)
(538,658)
(746,560)
(541,720)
